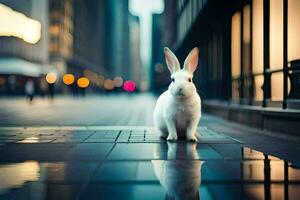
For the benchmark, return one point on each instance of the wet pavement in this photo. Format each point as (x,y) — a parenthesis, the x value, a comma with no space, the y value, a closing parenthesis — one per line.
(100,162)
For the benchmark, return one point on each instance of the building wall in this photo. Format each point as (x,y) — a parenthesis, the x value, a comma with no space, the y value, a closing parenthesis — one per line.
(164,34)
(60,33)
(135,57)
(249,52)
(169,23)
(11,46)
(89,34)
(14,49)
(159,73)
(61,29)
(117,41)
(205,24)
(102,46)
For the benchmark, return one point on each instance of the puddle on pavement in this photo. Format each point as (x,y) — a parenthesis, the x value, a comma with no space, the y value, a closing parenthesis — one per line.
(180,176)
(256,176)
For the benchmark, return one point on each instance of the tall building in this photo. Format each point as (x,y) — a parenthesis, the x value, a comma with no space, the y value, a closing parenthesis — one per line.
(78,43)
(169,24)
(60,33)
(135,57)
(164,34)
(159,72)
(100,40)
(117,49)
(88,37)
(249,58)
(23,43)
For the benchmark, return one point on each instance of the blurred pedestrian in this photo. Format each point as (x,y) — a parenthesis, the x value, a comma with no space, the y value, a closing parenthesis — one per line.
(43,87)
(29,90)
(12,84)
(51,90)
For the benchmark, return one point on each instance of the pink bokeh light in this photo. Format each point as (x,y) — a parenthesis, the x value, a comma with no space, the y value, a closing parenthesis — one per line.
(129,86)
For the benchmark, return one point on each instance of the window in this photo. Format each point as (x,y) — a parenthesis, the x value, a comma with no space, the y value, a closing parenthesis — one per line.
(235,53)
(247,59)
(54,30)
(246,52)
(293,30)
(276,48)
(257,49)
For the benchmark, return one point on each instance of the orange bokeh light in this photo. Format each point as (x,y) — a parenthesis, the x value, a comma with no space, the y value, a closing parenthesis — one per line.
(83,82)
(108,84)
(51,78)
(68,79)
(100,80)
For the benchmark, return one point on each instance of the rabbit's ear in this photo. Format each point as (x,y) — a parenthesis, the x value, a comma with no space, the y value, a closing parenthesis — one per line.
(191,61)
(171,60)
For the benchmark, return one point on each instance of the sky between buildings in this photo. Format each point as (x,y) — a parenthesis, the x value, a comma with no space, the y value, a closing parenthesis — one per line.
(144,9)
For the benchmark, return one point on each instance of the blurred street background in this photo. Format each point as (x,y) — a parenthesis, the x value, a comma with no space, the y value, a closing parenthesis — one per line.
(75,47)
(111,110)
(75,62)
(60,54)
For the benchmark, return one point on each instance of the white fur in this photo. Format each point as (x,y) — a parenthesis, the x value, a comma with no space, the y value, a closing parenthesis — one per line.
(178,110)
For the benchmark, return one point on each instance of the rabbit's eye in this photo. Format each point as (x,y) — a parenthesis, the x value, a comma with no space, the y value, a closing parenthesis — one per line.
(190,80)
(173,79)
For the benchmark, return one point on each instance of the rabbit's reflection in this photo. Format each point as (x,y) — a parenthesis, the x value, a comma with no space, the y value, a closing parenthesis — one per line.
(180,175)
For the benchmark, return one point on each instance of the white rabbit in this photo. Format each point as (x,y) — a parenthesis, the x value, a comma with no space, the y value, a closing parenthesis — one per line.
(178,110)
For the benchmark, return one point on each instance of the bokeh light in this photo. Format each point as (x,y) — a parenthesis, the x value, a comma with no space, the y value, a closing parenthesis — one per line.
(51,78)
(108,84)
(129,86)
(144,85)
(2,81)
(68,79)
(118,81)
(159,68)
(100,81)
(92,76)
(83,82)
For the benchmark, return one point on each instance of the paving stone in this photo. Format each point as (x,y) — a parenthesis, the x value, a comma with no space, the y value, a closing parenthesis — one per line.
(67,172)
(121,191)
(133,151)
(88,152)
(9,140)
(228,162)
(125,171)
(34,151)
(68,140)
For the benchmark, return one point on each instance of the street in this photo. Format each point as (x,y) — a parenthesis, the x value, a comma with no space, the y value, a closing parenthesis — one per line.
(229,161)
(105,147)
(121,110)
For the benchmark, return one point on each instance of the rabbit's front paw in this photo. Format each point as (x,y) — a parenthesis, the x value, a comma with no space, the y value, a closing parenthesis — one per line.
(192,138)
(172,138)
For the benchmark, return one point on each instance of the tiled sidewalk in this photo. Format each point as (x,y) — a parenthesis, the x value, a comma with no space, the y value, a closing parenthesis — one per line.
(96,134)
(132,163)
